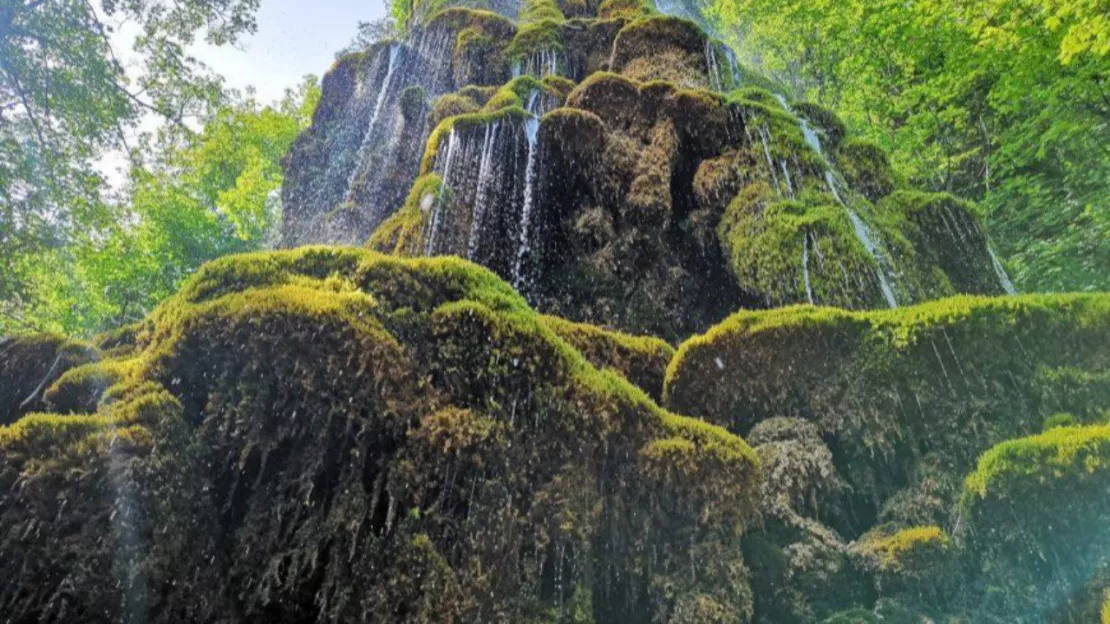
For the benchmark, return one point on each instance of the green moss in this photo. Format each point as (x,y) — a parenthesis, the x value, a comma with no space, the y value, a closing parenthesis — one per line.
(895,552)
(402,233)
(1060,419)
(865,167)
(463,123)
(626,9)
(640,359)
(947,236)
(797,251)
(558,85)
(661,48)
(827,123)
(535,11)
(536,37)
(486,23)
(480,95)
(412,102)
(450,105)
(81,388)
(967,366)
(515,93)
(29,364)
(1064,455)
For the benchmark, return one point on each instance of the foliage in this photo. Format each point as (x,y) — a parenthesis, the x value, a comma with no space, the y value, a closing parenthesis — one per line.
(201,196)
(1004,101)
(66,99)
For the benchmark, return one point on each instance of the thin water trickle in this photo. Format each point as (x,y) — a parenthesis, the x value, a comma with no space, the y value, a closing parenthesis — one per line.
(805,268)
(1000,271)
(862,231)
(368,138)
(485,178)
(712,67)
(437,207)
(531,132)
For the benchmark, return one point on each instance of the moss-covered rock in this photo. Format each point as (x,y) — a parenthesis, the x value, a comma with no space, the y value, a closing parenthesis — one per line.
(29,365)
(1034,509)
(302,423)
(642,360)
(891,389)
(662,48)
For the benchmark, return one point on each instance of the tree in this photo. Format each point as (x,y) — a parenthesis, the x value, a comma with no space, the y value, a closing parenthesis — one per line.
(195,197)
(1003,101)
(66,99)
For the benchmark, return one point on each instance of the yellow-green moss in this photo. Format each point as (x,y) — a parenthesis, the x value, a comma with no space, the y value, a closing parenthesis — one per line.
(641,359)
(797,251)
(463,123)
(81,388)
(627,9)
(866,168)
(540,36)
(450,105)
(967,366)
(402,234)
(1066,454)
(29,364)
(896,551)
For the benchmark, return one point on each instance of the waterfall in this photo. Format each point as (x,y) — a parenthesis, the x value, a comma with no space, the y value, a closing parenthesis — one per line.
(805,268)
(536,106)
(733,67)
(368,137)
(720,81)
(481,196)
(1000,271)
(767,153)
(786,173)
(437,206)
(712,67)
(862,231)
(538,64)
(366,160)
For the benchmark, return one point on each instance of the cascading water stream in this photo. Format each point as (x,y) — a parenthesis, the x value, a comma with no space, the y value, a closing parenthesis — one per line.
(437,205)
(538,64)
(862,231)
(485,179)
(537,108)
(805,268)
(369,137)
(1000,271)
(712,67)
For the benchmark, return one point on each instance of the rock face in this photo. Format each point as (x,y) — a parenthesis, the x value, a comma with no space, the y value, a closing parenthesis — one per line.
(344,434)
(617,166)
(334,435)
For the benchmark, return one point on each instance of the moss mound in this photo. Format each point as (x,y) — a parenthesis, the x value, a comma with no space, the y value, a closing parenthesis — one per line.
(306,422)
(893,389)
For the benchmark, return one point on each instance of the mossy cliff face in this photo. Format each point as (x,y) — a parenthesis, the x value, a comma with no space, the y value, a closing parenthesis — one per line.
(329,434)
(905,465)
(620,167)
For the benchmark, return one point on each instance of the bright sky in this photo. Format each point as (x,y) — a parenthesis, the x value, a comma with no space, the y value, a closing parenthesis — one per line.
(294,38)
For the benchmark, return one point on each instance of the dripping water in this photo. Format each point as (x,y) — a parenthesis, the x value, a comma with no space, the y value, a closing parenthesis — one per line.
(368,137)
(805,268)
(437,206)
(712,67)
(862,231)
(1000,271)
(485,178)
(536,108)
